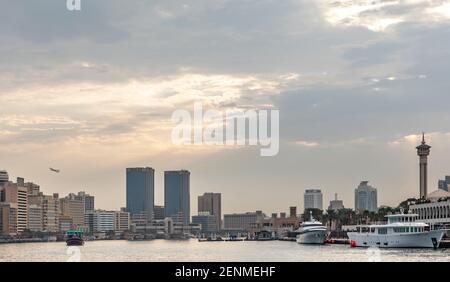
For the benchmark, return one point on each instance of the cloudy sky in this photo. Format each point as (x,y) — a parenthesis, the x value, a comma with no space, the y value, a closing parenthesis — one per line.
(92,92)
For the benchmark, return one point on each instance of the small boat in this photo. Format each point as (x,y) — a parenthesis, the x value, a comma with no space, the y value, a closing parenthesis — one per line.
(311,232)
(401,231)
(74,238)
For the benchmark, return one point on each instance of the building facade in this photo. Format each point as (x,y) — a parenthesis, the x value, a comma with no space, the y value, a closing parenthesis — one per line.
(177,195)
(444,184)
(122,221)
(104,221)
(73,207)
(8,219)
(277,225)
(211,203)
(140,190)
(207,221)
(313,199)
(366,197)
(336,204)
(436,214)
(89,201)
(11,193)
(241,221)
(35,218)
(65,223)
(50,213)
(4,177)
(159,213)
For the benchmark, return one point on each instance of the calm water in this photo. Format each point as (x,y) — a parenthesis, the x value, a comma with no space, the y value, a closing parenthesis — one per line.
(192,250)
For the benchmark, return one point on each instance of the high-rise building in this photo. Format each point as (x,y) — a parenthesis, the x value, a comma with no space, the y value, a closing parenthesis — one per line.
(159,213)
(366,197)
(177,195)
(89,222)
(72,207)
(11,193)
(33,189)
(336,204)
(211,203)
(35,218)
(88,201)
(140,194)
(423,150)
(313,199)
(50,212)
(4,177)
(8,219)
(207,221)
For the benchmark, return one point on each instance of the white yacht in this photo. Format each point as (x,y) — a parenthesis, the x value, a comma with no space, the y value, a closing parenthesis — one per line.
(311,232)
(401,231)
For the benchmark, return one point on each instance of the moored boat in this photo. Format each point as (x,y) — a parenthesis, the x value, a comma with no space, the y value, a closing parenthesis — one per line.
(311,232)
(401,231)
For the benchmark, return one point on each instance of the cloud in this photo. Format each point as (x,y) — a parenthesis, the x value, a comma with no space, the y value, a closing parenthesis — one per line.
(94,91)
(307,143)
(380,15)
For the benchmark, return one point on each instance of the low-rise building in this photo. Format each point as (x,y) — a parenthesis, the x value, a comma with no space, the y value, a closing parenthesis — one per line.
(104,221)
(436,211)
(207,222)
(241,221)
(275,224)
(122,220)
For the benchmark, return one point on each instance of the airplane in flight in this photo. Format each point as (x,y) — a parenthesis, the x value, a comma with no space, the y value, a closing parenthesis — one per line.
(55,170)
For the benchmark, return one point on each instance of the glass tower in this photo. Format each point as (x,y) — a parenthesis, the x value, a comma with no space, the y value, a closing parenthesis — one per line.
(140,184)
(177,195)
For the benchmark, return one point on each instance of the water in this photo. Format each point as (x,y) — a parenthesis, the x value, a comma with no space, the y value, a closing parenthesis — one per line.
(192,250)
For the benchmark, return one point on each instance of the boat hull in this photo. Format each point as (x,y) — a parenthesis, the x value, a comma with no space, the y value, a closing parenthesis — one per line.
(430,239)
(75,242)
(312,237)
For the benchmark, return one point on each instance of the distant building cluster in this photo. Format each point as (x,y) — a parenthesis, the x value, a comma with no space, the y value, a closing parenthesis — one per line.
(24,208)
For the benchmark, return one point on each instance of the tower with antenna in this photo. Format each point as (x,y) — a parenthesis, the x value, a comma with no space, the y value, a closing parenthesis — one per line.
(423,151)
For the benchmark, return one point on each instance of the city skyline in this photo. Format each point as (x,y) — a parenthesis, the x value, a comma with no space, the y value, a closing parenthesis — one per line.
(354,83)
(306,191)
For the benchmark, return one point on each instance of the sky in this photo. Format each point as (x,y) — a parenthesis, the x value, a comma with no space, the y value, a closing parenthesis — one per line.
(92,92)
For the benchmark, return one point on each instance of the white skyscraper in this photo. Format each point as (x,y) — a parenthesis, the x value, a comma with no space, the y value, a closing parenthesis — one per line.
(366,197)
(313,199)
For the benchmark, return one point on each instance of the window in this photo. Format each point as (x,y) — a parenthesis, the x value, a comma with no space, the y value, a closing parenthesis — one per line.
(382,230)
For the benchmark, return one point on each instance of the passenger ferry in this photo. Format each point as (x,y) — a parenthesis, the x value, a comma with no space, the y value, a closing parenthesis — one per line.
(401,231)
(74,238)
